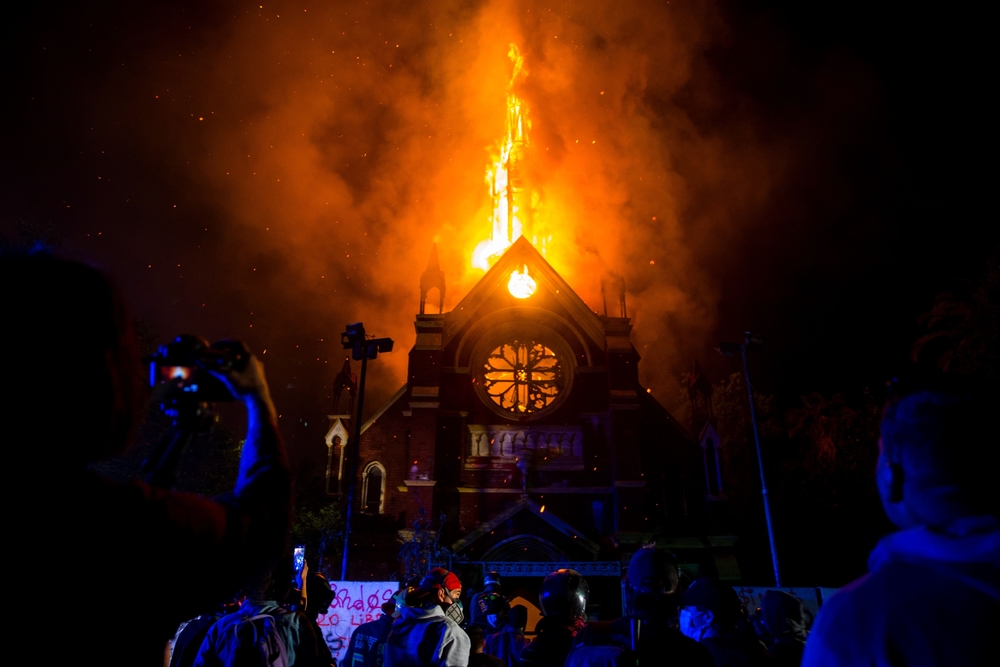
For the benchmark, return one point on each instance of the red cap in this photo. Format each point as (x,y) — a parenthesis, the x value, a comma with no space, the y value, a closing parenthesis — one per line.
(448,580)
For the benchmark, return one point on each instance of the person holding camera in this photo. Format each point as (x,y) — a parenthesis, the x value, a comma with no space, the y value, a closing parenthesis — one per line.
(133,560)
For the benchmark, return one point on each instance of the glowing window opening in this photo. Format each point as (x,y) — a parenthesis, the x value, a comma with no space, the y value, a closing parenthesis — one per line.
(522,377)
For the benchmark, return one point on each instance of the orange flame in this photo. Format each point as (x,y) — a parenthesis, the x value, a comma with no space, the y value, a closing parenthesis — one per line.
(502,176)
(521,285)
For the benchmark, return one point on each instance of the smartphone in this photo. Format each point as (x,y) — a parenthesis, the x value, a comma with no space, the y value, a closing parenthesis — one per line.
(299,558)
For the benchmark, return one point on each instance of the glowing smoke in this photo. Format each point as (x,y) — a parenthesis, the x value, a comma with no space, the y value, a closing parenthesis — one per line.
(339,142)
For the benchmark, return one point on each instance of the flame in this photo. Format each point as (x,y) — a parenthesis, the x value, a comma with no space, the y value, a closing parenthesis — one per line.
(521,285)
(502,176)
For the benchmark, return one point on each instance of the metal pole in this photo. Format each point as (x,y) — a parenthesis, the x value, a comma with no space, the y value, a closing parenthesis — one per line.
(760,463)
(353,463)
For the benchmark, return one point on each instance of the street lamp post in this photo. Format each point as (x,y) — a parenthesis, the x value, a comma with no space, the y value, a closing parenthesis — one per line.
(362,348)
(730,350)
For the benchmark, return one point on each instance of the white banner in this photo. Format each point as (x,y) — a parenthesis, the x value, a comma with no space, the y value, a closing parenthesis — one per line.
(354,603)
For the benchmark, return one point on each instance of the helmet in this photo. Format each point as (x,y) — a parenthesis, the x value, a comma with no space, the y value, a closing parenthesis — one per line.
(491,578)
(651,572)
(564,593)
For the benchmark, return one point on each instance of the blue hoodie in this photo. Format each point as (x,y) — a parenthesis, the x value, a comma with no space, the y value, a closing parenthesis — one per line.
(932,597)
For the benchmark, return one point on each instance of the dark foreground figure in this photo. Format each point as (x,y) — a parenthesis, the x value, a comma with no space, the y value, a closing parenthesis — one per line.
(645,635)
(932,596)
(133,561)
(563,598)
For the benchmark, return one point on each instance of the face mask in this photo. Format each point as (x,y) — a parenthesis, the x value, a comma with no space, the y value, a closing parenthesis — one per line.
(695,624)
(454,612)
(492,619)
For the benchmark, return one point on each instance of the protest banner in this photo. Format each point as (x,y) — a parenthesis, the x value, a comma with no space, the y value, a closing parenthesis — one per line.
(354,603)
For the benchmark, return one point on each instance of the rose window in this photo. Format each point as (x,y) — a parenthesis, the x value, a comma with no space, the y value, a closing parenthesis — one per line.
(522,376)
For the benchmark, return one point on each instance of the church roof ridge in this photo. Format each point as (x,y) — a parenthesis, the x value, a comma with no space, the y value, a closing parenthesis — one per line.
(523,253)
(385,406)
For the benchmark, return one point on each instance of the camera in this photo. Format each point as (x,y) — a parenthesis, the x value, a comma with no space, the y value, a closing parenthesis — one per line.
(181,370)
(179,373)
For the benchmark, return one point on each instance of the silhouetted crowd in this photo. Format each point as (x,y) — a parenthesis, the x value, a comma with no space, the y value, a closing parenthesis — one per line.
(114,572)
(703,625)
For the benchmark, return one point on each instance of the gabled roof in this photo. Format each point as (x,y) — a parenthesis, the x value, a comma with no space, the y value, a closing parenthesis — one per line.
(523,254)
(708,432)
(525,504)
(385,406)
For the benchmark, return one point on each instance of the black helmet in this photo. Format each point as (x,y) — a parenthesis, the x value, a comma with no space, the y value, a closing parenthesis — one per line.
(564,593)
(651,572)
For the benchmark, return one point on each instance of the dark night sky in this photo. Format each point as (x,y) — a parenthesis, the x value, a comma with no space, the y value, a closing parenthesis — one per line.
(820,169)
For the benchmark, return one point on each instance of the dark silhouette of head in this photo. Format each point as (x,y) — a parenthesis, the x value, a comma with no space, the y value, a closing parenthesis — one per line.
(651,582)
(709,607)
(477,637)
(491,582)
(933,453)
(320,595)
(518,617)
(275,585)
(72,358)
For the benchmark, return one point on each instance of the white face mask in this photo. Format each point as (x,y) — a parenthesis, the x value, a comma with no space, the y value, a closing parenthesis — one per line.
(696,624)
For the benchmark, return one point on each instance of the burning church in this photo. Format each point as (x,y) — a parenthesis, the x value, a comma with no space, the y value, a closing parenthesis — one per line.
(524,425)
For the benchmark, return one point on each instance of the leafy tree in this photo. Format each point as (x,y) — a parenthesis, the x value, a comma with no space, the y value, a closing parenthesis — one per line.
(961,331)
(421,549)
(321,529)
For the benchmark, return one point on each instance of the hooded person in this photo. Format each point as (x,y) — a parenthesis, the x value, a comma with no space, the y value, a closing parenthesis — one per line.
(932,593)
(452,586)
(784,622)
(426,634)
(712,615)
(507,643)
(563,598)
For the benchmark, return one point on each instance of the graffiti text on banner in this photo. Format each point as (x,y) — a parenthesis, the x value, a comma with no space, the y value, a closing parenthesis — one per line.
(354,603)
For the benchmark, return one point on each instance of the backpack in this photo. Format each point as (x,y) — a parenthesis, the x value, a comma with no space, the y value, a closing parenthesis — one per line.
(254,641)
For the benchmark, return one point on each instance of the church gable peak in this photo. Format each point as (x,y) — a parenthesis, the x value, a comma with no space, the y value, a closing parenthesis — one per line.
(522,258)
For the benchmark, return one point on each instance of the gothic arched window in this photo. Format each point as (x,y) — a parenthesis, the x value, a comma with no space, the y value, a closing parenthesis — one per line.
(373,488)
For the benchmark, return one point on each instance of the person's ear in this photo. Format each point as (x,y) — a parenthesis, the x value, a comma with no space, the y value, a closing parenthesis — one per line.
(896,486)
(892,481)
